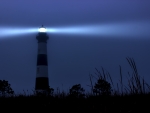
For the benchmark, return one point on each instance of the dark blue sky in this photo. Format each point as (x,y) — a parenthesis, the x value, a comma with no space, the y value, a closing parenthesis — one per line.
(72,57)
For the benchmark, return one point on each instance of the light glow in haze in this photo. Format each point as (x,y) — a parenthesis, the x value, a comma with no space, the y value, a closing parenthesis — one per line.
(126,29)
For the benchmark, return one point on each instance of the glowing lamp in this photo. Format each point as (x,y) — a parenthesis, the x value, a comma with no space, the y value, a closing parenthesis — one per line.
(42,29)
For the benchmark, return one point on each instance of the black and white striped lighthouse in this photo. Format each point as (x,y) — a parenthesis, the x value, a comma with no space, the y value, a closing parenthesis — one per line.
(42,81)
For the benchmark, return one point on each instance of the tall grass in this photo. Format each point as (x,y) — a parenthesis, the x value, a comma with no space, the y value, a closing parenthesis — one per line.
(136,84)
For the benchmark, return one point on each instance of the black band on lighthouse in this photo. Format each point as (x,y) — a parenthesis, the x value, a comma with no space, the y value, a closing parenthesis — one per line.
(42,59)
(42,37)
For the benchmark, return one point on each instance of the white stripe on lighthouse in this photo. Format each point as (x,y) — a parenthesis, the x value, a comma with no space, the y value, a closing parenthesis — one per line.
(42,48)
(42,71)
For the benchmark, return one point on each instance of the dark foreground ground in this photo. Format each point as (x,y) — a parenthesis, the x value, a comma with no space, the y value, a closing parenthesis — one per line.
(91,104)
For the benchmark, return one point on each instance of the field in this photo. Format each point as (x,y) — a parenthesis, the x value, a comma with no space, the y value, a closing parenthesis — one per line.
(92,104)
(133,98)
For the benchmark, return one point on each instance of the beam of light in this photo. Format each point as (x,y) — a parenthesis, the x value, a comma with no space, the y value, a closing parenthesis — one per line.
(126,29)
(14,31)
(122,29)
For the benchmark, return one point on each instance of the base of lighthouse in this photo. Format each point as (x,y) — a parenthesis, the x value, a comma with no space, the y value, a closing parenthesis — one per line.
(42,83)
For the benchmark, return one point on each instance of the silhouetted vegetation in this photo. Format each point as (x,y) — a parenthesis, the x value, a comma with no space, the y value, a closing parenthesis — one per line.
(77,91)
(104,98)
(5,88)
(102,87)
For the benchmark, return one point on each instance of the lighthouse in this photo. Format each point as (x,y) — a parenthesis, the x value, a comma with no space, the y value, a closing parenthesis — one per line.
(42,81)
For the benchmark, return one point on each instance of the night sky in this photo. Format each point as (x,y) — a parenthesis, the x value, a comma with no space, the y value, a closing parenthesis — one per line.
(116,29)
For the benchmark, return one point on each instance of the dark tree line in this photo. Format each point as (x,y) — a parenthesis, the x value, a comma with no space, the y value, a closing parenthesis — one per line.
(102,87)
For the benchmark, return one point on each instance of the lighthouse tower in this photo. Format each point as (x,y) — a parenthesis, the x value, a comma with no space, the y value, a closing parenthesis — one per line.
(42,81)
